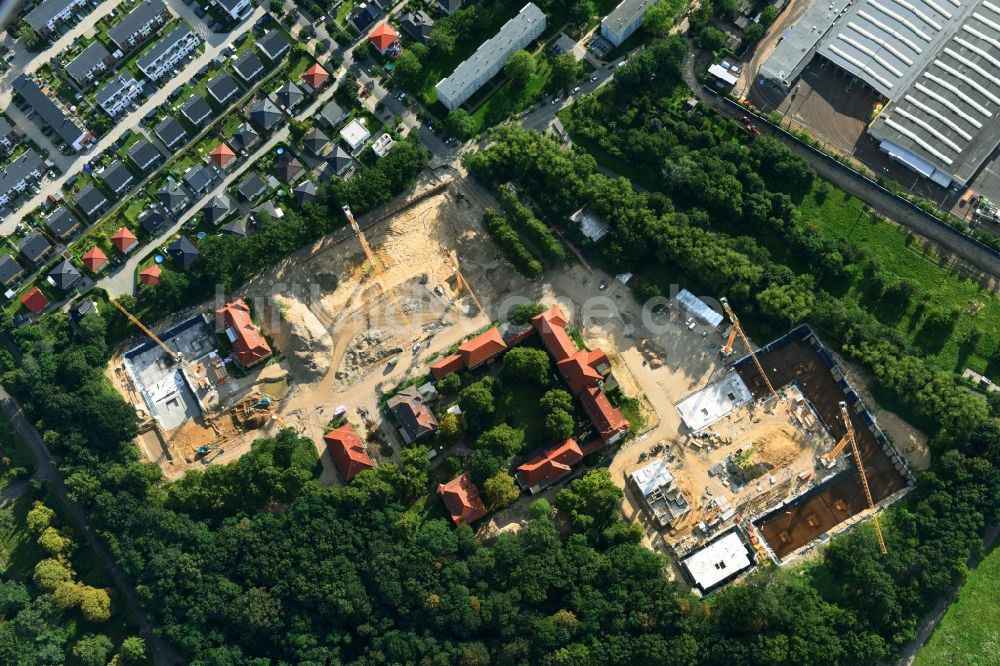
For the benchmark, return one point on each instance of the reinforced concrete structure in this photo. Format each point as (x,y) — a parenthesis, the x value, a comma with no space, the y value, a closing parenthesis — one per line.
(491,56)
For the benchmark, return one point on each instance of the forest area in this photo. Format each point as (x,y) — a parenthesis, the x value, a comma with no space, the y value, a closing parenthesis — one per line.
(258,563)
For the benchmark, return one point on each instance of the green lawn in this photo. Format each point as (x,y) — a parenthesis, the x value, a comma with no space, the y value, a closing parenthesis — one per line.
(511,98)
(969,633)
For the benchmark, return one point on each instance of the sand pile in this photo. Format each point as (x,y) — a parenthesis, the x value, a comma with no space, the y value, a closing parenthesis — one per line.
(302,338)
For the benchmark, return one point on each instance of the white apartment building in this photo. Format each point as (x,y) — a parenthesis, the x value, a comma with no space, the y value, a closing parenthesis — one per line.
(491,56)
(165,54)
(624,19)
(116,96)
(237,9)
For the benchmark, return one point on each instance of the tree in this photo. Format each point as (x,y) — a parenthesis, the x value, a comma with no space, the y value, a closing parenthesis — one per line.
(556,399)
(461,124)
(93,650)
(296,129)
(52,541)
(591,501)
(95,604)
(502,440)
(788,303)
(133,650)
(581,11)
(483,464)
(659,18)
(525,312)
(565,71)
(527,364)
(500,490)
(39,518)
(711,38)
(559,425)
(753,33)
(29,38)
(520,68)
(450,428)
(476,400)
(443,39)
(408,69)
(50,573)
(449,383)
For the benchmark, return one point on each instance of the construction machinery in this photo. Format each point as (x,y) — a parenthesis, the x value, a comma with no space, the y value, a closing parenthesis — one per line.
(135,320)
(460,282)
(861,472)
(203,450)
(738,330)
(372,259)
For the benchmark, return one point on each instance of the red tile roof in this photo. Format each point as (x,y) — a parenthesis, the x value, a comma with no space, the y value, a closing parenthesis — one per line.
(34,300)
(315,76)
(348,451)
(550,466)
(151,275)
(551,326)
(94,258)
(482,348)
(461,497)
(447,365)
(124,240)
(383,36)
(221,154)
(249,345)
(606,418)
(579,373)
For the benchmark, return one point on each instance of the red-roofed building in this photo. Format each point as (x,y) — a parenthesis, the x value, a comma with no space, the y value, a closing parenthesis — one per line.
(348,451)
(94,259)
(150,275)
(34,300)
(584,369)
(249,346)
(551,326)
(315,76)
(607,419)
(542,471)
(482,348)
(384,38)
(447,365)
(221,155)
(461,497)
(415,418)
(124,240)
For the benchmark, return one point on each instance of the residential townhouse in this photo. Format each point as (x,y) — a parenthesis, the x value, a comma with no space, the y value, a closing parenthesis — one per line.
(235,9)
(50,113)
(90,65)
(144,155)
(139,25)
(23,172)
(61,223)
(48,15)
(118,178)
(118,94)
(8,137)
(159,60)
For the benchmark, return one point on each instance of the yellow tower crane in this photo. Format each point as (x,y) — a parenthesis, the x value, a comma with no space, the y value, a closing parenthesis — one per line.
(861,472)
(372,259)
(738,330)
(135,320)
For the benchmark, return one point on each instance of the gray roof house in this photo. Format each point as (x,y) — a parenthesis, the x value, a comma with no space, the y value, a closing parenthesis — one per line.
(418,25)
(287,167)
(196,110)
(332,115)
(34,247)
(139,25)
(171,132)
(266,115)
(183,252)
(50,113)
(415,418)
(248,67)
(314,141)
(10,270)
(90,201)
(48,15)
(152,220)
(117,177)
(289,96)
(61,223)
(144,154)
(90,65)
(366,15)
(237,227)
(244,138)
(223,88)
(217,209)
(252,188)
(65,275)
(199,180)
(274,45)
(339,161)
(76,314)
(305,191)
(173,198)
(449,6)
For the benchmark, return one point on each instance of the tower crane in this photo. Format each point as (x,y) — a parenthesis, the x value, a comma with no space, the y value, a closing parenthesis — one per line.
(861,472)
(135,320)
(738,330)
(361,239)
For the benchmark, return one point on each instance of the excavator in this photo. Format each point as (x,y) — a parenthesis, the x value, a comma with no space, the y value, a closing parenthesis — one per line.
(849,438)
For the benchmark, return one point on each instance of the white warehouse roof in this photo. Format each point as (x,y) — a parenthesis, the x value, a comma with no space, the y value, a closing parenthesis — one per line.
(717,562)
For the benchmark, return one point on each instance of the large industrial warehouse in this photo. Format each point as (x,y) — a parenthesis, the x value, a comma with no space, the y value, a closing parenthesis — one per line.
(936,63)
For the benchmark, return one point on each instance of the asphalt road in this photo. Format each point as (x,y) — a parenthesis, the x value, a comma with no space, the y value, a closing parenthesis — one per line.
(163,654)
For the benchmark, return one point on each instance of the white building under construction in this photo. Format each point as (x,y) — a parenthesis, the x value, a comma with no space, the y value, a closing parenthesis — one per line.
(936,63)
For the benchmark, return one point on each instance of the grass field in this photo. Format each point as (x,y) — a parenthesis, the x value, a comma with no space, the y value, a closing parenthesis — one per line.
(510,98)
(969,632)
